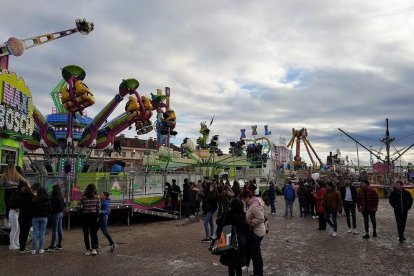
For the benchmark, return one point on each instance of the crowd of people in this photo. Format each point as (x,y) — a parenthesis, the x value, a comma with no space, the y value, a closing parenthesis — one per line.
(326,200)
(218,202)
(223,204)
(32,207)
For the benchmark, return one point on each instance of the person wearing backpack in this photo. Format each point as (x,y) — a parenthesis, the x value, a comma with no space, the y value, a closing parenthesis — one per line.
(235,259)
(256,219)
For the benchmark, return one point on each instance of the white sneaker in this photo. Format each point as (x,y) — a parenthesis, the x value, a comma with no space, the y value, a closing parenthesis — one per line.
(87,253)
(14,247)
(33,252)
(94,252)
(331,231)
(334,234)
(41,251)
(355,231)
(350,230)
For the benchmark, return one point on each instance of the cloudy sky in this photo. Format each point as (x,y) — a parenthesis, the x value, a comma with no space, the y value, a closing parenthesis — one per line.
(317,64)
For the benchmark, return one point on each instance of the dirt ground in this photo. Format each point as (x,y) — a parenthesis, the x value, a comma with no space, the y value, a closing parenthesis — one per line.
(292,247)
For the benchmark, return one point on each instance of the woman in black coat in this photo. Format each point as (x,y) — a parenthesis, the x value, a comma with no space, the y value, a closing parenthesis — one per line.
(236,216)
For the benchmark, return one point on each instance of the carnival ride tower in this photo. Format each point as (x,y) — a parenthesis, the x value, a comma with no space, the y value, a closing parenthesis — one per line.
(297,137)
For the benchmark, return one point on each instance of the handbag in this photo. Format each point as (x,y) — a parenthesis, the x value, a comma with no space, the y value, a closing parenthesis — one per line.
(226,242)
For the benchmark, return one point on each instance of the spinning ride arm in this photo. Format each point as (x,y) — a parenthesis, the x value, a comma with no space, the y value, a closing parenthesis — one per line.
(46,133)
(306,141)
(140,115)
(14,46)
(128,86)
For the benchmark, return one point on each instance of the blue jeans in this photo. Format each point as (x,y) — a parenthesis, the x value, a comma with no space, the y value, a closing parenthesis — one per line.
(103,224)
(57,229)
(39,229)
(328,214)
(288,207)
(209,220)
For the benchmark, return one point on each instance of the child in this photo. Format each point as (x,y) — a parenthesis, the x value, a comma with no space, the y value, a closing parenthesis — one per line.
(103,219)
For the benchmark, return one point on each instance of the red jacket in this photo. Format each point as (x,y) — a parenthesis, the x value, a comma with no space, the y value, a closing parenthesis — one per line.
(371,205)
(319,197)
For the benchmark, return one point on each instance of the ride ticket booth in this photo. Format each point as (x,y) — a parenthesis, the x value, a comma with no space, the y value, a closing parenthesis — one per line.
(16,122)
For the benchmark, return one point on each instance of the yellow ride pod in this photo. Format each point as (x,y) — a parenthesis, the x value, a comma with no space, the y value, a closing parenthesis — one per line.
(64,95)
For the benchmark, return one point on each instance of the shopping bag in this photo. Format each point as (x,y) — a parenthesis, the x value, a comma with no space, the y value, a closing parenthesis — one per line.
(227,241)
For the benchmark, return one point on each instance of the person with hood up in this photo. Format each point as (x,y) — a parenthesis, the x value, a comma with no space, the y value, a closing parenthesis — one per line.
(255,218)
(401,200)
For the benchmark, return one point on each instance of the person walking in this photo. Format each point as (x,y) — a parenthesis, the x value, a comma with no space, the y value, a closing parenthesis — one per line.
(103,218)
(57,206)
(41,211)
(367,204)
(272,197)
(289,194)
(90,209)
(255,218)
(402,201)
(349,198)
(320,210)
(332,203)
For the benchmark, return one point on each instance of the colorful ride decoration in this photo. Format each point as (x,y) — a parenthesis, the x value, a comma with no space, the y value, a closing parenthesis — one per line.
(205,157)
(76,96)
(16,107)
(298,136)
(57,133)
(16,120)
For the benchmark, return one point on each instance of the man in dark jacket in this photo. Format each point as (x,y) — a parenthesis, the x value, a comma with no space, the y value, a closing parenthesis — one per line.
(401,200)
(186,198)
(349,198)
(175,193)
(367,203)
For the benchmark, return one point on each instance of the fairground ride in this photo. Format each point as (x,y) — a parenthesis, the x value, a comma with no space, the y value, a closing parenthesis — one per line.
(385,165)
(207,158)
(297,137)
(68,137)
(15,47)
